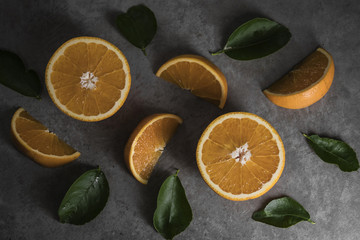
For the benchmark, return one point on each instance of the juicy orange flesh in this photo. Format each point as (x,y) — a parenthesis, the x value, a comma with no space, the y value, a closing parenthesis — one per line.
(194,77)
(302,75)
(232,176)
(150,145)
(94,58)
(38,137)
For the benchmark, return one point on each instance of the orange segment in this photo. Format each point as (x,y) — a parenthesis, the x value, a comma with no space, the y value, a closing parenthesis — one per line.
(37,142)
(147,142)
(240,156)
(88,78)
(305,84)
(198,75)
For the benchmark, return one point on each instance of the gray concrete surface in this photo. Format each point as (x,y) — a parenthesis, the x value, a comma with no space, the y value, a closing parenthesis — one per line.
(30,194)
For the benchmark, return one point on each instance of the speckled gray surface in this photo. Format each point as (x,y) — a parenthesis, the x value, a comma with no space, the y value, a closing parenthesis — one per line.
(30,194)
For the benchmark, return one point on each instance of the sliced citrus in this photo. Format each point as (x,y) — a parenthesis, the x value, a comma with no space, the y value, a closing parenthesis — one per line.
(88,78)
(240,156)
(305,84)
(36,141)
(198,75)
(147,142)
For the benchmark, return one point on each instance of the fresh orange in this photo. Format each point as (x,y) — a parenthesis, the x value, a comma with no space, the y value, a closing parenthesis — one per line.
(88,78)
(198,75)
(37,142)
(147,142)
(305,84)
(240,156)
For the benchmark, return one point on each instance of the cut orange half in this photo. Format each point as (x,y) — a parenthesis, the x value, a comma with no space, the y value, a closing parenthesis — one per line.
(36,141)
(305,84)
(198,75)
(88,78)
(147,142)
(240,156)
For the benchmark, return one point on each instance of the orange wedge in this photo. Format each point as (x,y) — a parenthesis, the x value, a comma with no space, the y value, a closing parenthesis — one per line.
(305,84)
(38,143)
(147,142)
(240,156)
(88,78)
(198,75)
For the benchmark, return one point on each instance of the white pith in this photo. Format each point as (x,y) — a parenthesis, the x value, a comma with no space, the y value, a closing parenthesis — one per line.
(88,80)
(242,154)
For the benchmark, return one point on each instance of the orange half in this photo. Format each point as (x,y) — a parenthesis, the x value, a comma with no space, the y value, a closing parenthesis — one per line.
(240,156)
(88,78)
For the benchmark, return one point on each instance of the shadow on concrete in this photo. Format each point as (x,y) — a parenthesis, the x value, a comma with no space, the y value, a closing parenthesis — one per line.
(42,37)
(5,120)
(48,190)
(111,16)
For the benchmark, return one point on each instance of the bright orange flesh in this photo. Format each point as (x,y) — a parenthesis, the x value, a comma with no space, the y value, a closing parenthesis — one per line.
(147,142)
(88,55)
(240,174)
(306,84)
(37,142)
(198,75)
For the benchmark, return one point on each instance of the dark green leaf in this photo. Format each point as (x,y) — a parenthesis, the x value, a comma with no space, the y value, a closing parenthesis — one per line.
(85,199)
(173,213)
(14,75)
(334,151)
(282,212)
(138,25)
(256,38)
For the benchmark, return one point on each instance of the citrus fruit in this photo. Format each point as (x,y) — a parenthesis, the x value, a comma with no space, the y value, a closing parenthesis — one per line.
(198,75)
(88,78)
(240,156)
(147,142)
(36,141)
(305,84)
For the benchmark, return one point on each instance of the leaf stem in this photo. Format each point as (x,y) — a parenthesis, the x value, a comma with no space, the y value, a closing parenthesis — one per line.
(217,53)
(310,221)
(177,171)
(144,52)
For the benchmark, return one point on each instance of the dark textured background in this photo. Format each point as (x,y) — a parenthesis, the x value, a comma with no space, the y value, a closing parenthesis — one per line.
(30,194)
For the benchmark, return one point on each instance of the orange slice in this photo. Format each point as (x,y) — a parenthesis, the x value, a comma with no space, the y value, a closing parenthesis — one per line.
(88,78)
(240,156)
(305,84)
(198,75)
(147,142)
(38,143)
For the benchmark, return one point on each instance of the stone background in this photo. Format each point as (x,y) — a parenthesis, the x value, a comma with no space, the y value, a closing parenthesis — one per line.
(30,194)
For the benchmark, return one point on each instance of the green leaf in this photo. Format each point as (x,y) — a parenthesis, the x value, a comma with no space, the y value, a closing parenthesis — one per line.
(173,213)
(85,199)
(282,212)
(14,75)
(334,151)
(138,25)
(256,38)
